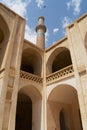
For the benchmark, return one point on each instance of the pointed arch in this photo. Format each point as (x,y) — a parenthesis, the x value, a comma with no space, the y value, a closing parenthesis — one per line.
(31,61)
(29,104)
(4,37)
(63,103)
(59,59)
(24,112)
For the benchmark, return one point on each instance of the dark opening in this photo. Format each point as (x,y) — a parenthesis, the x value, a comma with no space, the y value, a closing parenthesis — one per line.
(31,61)
(1,35)
(62,121)
(24,113)
(80,119)
(61,61)
(28,68)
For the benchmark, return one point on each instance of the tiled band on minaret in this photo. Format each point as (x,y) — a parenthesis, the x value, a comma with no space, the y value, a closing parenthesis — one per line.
(40,29)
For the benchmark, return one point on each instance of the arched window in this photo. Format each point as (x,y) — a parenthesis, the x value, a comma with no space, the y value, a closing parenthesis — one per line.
(62,121)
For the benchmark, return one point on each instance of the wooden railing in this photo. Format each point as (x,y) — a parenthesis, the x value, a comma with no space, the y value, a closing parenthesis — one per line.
(63,73)
(29,76)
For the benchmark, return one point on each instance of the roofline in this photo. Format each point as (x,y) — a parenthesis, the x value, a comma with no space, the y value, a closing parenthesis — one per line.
(64,38)
(56,43)
(1,4)
(32,44)
(77,20)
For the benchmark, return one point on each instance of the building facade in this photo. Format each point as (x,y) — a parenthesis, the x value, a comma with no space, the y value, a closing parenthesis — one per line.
(42,89)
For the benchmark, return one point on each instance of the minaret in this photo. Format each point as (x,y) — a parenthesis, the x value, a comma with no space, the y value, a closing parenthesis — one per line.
(40,29)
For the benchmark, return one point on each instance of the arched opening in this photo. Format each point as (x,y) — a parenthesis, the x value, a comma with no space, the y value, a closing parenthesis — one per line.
(63,103)
(4,36)
(28,110)
(31,62)
(24,113)
(59,59)
(62,121)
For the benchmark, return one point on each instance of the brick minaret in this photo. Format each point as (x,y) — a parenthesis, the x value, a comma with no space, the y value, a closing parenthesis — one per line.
(40,29)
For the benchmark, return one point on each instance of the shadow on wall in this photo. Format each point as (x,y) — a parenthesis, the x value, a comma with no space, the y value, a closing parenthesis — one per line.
(85,40)
(4,36)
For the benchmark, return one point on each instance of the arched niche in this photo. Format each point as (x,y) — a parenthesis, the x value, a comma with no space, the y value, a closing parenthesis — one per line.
(24,112)
(4,36)
(63,108)
(31,62)
(59,59)
(28,110)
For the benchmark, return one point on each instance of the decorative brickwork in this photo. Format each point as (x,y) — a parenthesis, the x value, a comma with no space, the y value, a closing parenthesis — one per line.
(61,74)
(25,75)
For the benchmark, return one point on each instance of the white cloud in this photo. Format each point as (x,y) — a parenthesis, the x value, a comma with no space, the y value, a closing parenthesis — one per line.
(30,34)
(76,6)
(68,5)
(18,6)
(66,21)
(46,35)
(55,30)
(40,3)
(46,38)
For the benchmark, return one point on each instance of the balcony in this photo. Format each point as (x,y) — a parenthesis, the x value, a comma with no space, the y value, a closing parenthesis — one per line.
(59,75)
(31,77)
(53,77)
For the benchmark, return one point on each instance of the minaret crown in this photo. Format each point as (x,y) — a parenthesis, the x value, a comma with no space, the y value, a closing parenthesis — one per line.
(41,24)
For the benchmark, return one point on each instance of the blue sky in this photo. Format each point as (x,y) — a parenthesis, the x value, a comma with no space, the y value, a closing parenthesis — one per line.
(58,14)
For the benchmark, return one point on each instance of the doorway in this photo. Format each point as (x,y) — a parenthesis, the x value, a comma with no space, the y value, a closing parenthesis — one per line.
(24,113)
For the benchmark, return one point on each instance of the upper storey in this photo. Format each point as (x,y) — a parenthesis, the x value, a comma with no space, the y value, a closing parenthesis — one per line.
(71,50)
(11,34)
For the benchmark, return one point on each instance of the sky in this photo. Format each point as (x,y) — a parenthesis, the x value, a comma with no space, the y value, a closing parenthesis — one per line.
(57,13)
